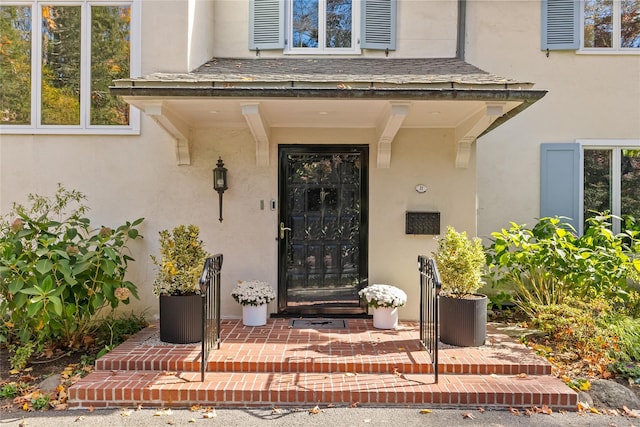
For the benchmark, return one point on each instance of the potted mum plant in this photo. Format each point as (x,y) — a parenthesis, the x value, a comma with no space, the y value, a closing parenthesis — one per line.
(463,312)
(253,296)
(385,300)
(182,258)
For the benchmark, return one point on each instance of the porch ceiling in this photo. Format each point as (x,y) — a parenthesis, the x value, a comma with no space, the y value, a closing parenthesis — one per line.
(381,94)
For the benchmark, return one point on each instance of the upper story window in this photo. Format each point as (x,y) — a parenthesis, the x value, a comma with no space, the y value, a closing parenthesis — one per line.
(609,24)
(58,60)
(322,26)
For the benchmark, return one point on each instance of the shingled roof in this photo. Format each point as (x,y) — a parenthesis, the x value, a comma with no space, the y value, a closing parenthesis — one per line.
(303,71)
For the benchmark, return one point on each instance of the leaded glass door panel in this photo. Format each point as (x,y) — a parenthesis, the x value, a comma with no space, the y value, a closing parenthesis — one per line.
(322,229)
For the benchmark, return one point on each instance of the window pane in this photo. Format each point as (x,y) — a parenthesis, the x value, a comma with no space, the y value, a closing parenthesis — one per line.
(305,23)
(597,181)
(15,65)
(630,183)
(630,22)
(598,23)
(61,65)
(338,23)
(110,36)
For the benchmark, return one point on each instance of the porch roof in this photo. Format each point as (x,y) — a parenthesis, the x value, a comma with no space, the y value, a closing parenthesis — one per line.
(264,93)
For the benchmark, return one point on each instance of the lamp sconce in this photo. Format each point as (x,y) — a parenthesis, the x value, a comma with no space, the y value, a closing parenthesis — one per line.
(220,181)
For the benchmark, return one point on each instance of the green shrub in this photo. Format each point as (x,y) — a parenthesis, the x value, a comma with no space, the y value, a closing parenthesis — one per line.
(460,262)
(57,273)
(625,369)
(549,262)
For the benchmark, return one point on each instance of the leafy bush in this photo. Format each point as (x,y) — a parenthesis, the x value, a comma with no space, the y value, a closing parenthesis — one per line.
(625,369)
(460,262)
(57,273)
(182,256)
(549,262)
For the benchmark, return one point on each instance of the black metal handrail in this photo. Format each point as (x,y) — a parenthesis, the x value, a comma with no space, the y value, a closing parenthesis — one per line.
(429,289)
(210,292)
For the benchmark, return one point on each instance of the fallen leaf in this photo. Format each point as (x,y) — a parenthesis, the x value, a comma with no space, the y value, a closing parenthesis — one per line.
(14,371)
(354,405)
(315,410)
(171,422)
(514,411)
(583,406)
(522,375)
(468,415)
(195,408)
(425,411)
(192,420)
(91,408)
(139,407)
(80,418)
(350,374)
(23,423)
(546,410)
(210,414)
(125,413)
(481,410)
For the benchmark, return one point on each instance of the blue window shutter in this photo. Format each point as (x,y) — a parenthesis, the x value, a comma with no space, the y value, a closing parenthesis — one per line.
(560,169)
(378,28)
(266,24)
(560,26)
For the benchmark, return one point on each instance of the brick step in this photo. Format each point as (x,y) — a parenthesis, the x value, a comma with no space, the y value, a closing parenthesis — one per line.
(106,389)
(368,351)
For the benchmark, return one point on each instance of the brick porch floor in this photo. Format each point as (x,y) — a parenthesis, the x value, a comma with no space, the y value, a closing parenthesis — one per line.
(279,365)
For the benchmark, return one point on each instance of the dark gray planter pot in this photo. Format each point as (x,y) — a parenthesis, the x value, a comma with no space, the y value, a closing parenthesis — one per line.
(180,319)
(463,321)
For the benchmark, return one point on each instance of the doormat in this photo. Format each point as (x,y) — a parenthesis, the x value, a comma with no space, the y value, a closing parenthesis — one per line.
(318,323)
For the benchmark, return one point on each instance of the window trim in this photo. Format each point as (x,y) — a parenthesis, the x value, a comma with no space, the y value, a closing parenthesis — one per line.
(85,127)
(616,146)
(356,7)
(617,29)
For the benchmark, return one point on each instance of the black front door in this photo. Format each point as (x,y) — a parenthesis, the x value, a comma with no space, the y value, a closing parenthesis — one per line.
(322,229)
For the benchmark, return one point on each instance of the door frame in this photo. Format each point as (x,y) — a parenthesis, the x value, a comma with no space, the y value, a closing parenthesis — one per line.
(347,311)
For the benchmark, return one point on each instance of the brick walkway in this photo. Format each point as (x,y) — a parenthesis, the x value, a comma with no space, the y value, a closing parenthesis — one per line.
(278,365)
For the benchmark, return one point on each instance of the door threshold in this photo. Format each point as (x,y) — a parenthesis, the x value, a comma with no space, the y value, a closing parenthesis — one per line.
(321,315)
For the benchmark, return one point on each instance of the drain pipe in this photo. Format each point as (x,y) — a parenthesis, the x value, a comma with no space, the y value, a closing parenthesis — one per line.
(462,27)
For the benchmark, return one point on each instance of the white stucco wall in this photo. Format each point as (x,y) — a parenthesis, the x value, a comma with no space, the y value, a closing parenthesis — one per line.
(590,96)
(177,35)
(426,28)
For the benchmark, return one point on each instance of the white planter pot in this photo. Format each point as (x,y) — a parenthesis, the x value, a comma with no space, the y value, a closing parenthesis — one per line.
(254,315)
(385,317)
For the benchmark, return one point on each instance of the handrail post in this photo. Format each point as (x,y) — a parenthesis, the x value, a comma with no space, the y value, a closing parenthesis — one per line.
(429,289)
(210,292)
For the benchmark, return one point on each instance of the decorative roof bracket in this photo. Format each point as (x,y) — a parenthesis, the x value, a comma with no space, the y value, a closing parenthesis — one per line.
(175,126)
(394,118)
(259,130)
(470,129)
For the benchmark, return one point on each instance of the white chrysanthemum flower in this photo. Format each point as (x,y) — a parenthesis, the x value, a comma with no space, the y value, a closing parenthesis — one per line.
(253,292)
(383,296)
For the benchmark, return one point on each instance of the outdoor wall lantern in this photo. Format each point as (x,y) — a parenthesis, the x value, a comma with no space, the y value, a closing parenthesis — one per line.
(220,181)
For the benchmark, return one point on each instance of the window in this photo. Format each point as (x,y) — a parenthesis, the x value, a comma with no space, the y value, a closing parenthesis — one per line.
(611,181)
(611,24)
(591,25)
(591,175)
(57,63)
(322,26)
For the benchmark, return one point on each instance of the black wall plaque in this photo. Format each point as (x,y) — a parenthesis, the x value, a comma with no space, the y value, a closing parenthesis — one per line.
(423,223)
